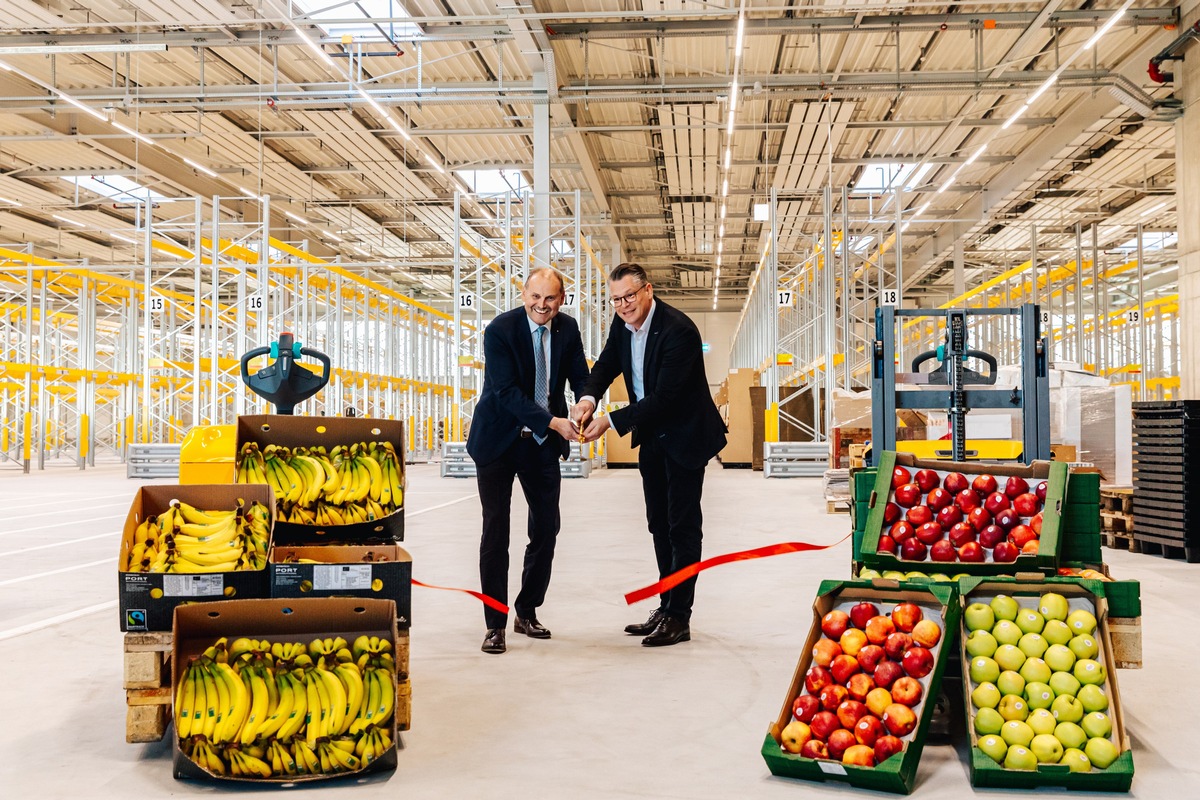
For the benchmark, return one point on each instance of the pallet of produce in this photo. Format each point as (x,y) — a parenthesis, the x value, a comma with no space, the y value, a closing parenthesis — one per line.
(864,690)
(1041,689)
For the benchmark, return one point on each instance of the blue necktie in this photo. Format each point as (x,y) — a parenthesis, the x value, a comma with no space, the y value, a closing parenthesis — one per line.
(541,379)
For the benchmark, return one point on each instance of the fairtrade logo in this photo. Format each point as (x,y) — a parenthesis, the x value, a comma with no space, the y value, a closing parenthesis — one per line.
(135,618)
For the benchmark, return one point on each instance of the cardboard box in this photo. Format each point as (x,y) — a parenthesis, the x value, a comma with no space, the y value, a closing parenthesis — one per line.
(147,599)
(898,773)
(740,420)
(1045,560)
(329,432)
(1080,594)
(197,627)
(382,572)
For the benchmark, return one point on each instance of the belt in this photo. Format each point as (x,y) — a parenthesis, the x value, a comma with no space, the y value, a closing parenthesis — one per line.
(526,434)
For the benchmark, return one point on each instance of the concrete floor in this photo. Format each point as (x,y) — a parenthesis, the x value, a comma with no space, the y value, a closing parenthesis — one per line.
(589,713)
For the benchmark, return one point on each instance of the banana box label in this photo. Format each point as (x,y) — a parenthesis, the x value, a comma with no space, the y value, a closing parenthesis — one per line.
(193,585)
(341,577)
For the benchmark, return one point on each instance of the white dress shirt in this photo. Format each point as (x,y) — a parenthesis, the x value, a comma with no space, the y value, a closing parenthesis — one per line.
(638,339)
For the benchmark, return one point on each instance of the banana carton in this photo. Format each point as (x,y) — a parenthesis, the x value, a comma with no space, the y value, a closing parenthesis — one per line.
(337,480)
(292,622)
(381,571)
(147,594)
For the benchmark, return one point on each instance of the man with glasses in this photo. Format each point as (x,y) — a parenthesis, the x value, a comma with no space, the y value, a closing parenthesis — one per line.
(520,429)
(672,420)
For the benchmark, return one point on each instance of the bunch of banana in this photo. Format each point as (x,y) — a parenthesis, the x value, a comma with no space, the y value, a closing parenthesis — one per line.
(372,744)
(349,484)
(187,539)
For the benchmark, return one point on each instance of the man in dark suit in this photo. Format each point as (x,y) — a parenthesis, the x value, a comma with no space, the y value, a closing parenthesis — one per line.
(520,429)
(672,417)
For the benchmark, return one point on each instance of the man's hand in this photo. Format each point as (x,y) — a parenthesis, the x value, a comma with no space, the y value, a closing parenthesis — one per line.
(563,427)
(581,414)
(596,428)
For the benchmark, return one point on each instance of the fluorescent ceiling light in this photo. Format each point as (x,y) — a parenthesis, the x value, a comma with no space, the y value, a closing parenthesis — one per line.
(1019,113)
(69,221)
(130,131)
(58,49)
(199,167)
(1107,26)
(433,163)
(741,34)
(82,107)
(9,201)
(733,95)
(728,157)
(123,238)
(975,156)
(1150,211)
(297,217)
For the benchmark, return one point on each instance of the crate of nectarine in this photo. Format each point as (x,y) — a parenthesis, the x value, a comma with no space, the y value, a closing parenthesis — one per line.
(866,684)
(964,517)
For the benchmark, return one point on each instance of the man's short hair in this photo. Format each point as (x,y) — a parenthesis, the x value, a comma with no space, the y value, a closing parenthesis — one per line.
(629,270)
(562,283)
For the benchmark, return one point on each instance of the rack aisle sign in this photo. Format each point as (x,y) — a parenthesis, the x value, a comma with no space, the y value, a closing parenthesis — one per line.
(156,304)
(1045,319)
(255,302)
(785,298)
(466,301)
(570,299)
(1133,316)
(889,297)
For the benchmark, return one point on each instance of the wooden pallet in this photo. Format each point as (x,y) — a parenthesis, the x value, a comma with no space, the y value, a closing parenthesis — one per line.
(1120,541)
(1117,522)
(1117,500)
(837,506)
(1126,636)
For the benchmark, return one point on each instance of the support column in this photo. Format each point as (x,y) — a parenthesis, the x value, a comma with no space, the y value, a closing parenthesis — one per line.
(960,273)
(541,173)
(1187,200)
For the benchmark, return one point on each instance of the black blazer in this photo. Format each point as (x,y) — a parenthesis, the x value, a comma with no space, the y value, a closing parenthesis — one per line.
(506,403)
(677,411)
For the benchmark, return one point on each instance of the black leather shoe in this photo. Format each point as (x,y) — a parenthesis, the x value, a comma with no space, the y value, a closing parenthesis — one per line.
(494,641)
(669,631)
(647,627)
(531,628)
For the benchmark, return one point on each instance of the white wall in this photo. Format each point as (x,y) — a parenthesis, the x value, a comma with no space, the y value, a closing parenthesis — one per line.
(716,329)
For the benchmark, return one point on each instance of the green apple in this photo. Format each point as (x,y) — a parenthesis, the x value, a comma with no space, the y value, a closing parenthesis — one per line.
(1030,621)
(1066,709)
(1054,606)
(940,577)
(981,642)
(1065,683)
(1004,607)
(1009,656)
(1039,695)
(1006,632)
(1011,683)
(1089,672)
(959,576)
(1033,645)
(1016,732)
(985,695)
(867,574)
(1096,724)
(984,670)
(1070,734)
(916,577)
(1093,698)
(1076,760)
(1059,658)
(979,617)
(893,574)
(988,720)
(1034,670)
(1101,752)
(1012,707)
(1084,646)
(1082,622)
(994,748)
(1042,721)
(1057,632)
(1047,749)
(1020,758)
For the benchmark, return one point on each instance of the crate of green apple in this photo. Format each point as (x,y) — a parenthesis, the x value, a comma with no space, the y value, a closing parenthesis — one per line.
(1041,695)
(973,518)
(857,706)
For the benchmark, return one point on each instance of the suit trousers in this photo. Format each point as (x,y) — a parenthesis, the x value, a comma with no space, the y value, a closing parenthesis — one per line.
(674,518)
(536,467)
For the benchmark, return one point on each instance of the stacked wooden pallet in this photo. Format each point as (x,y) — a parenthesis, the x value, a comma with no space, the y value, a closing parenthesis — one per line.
(1116,517)
(1166,495)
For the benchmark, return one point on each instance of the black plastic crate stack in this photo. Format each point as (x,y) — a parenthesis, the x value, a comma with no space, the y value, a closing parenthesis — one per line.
(1166,478)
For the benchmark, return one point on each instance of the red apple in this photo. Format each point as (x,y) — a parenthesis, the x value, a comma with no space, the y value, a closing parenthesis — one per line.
(927,479)
(887,545)
(943,551)
(908,495)
(850,712)
(917,662)
(919,515)
(948,517)
(1040,491)
(891,513)
(967,500)
(938,499)
(912,550)
(899,719)
(868,730)
(996,502)
(961,533)
(930,532)
(832,696)
(906,615)
(824,652)
(991,536)
(805,707)
(885,748)
(1005,552)
(907,691)
(861,612)
(896,644)
(843,667)
(839,742)
(900,476)
(927,633)
(817,678)
(815,748)
(972,553)
(824,723)
(902,530)
(984,484)
(879,628)
(886,674)
(834,624)
(1030,548)
(1026,504)
(1021,535)
(979,518)
(870,656)
(955,482)
(1006,518)
(1035,522)
(1015,486)
(860,685)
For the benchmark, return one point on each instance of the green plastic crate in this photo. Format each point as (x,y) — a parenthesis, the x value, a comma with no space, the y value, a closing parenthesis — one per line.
(1084,488)
(1081,517)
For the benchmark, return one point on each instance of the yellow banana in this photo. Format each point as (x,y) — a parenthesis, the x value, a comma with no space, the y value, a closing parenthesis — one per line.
(212,703)
(185,698)
(352,680)
(375,474)
(207,534)
(337,702)
(298,715)
(238,703)
(198,517)
(253,765)
(316,712)
(257,717)
(387,689)
(283,711)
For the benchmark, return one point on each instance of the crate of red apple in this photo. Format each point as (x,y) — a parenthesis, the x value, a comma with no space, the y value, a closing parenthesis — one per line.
(979,519)
(866,684)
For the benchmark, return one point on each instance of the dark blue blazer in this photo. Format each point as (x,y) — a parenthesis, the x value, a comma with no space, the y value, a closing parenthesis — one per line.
(678,410)
(506,403)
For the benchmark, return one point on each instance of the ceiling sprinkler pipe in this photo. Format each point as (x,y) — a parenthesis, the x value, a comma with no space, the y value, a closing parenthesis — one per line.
(1171,52)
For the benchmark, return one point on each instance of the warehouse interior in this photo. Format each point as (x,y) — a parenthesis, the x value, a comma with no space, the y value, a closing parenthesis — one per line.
(825,188)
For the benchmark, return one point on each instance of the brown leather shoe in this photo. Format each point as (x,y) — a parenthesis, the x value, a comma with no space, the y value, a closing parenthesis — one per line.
(531,628)
(669,631)
(647,627)
(494,641)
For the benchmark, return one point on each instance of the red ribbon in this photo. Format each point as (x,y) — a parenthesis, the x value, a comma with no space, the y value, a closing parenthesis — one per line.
(490,602)
(691,570)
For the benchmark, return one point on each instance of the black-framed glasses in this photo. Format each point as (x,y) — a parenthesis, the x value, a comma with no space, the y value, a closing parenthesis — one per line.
(627,299)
